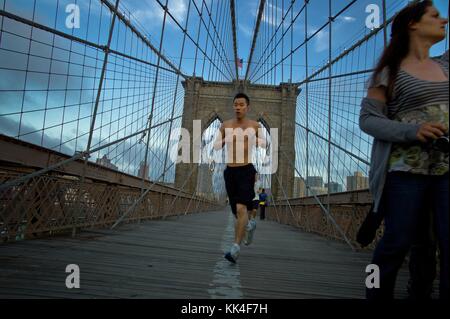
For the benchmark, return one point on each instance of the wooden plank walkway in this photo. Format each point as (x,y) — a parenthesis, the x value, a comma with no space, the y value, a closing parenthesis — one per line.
(183,258)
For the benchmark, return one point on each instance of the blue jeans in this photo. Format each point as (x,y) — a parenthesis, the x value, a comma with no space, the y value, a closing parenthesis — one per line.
(422,260)
(406,201)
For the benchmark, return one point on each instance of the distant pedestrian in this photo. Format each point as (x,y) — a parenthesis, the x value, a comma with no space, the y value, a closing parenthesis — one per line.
(262,204)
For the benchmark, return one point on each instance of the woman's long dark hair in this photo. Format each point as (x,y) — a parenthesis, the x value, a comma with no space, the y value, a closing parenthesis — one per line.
(398,47)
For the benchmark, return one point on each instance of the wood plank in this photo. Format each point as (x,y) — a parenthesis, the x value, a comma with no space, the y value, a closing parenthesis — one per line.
(183,258)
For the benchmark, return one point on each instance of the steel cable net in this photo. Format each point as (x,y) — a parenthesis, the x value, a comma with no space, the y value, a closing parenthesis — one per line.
(52,89)
(309,43)
(110,90)
(102,80)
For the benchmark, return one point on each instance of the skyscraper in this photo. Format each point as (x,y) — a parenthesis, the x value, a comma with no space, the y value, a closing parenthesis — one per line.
(106,162)
(314,181)
(334,187)
(357,181)
(299,187)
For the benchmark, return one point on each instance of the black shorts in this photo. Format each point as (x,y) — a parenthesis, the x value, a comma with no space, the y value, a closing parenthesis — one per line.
(240,183)
(255,203)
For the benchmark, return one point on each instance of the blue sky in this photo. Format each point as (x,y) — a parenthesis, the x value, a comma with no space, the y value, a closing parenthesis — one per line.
(37,109)
(149,16)
(347,27)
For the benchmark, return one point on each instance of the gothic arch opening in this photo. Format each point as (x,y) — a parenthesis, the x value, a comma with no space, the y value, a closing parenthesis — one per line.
(210,182)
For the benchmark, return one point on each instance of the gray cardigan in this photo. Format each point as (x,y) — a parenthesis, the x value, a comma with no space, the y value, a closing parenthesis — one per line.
(374,121)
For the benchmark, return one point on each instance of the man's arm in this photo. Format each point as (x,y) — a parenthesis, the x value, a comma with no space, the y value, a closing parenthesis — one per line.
(260,141)
(220,138)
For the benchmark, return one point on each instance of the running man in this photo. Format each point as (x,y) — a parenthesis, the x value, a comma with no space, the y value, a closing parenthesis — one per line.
(241,136)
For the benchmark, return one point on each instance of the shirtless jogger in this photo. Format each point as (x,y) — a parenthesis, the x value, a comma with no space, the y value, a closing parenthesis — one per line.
(241,136)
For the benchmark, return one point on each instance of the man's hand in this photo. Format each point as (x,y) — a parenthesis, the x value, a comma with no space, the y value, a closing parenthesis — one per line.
(260,142)
(431,131)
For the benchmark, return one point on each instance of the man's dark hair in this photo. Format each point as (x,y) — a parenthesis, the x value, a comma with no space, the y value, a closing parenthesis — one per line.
(242,95)
(263,190)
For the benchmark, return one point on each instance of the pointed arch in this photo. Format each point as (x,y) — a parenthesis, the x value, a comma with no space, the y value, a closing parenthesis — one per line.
(209,176)
(211,118)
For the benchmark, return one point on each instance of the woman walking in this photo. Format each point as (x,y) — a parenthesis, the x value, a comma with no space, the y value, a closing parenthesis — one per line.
(406,111)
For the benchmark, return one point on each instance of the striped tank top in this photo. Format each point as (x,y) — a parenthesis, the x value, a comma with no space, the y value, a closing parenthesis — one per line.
(418,101)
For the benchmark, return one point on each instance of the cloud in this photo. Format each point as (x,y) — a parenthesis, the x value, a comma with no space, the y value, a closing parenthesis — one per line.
(251,6)
(246,31)
(321,42)
(150,13)
(271,13)
(320,39)
(275,18)
(178,8)
(347,18)
(9,127)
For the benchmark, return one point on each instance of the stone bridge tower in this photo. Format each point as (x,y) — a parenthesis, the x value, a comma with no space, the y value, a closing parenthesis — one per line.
(273,105)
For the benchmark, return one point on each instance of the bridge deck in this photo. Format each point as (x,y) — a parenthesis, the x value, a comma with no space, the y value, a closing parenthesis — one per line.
(182,258)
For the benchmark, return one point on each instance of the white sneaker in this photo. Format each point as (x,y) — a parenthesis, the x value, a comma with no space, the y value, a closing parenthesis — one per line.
(251,226)
(248,228)
(233,255)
